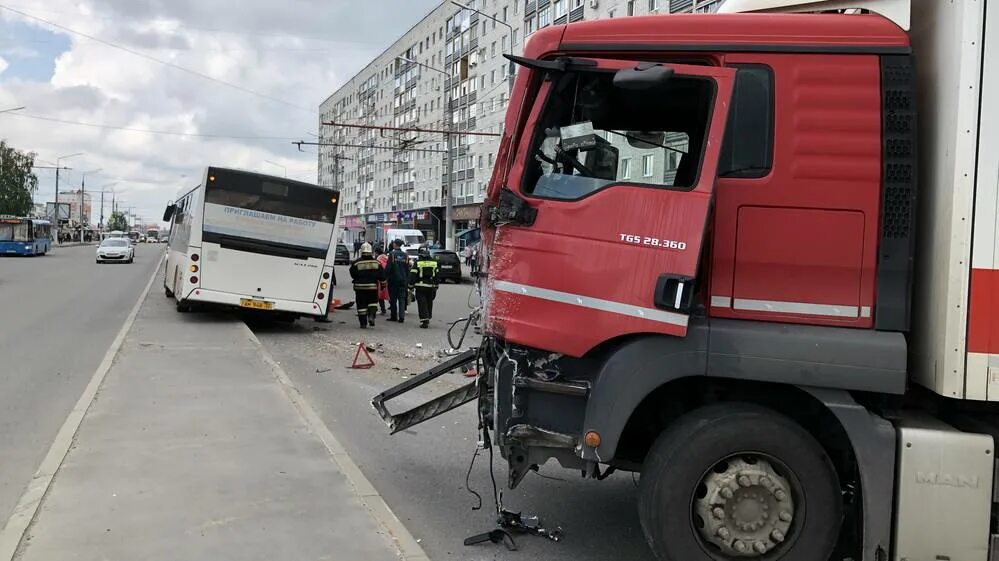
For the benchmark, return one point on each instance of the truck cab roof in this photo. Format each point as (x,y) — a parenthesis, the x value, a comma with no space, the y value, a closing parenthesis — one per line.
(831,33)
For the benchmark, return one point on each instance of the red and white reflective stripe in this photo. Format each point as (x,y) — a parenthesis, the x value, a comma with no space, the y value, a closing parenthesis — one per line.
(621,308)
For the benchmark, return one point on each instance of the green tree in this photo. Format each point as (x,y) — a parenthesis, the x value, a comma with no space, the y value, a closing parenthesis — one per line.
(17,181)
(118,221)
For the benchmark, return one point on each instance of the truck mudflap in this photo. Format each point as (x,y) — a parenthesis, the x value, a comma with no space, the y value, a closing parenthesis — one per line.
(434,407)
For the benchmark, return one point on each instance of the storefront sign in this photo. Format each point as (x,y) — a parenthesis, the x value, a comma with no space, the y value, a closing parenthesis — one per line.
(469,212)
(376,218)
(351,222)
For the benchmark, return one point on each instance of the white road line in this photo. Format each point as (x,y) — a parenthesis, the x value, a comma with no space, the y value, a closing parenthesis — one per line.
(27,507)
(394,530)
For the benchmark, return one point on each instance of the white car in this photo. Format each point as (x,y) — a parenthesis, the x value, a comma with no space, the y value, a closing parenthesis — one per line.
(115,249)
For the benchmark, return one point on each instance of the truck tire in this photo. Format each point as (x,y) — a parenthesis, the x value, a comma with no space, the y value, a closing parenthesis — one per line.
(737,481)
(167,292)
(183,307)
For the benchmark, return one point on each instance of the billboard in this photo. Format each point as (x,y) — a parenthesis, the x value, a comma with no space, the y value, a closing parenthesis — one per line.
(63,211)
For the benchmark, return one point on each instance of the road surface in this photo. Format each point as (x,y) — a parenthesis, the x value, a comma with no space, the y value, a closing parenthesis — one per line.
(421,472)
(60,313)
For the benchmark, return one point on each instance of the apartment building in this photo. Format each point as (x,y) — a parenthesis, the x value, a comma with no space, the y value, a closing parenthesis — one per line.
(381,135)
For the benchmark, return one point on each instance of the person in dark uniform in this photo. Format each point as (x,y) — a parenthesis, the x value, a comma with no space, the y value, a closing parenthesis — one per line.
(424,278)
(397,271)
(366,272)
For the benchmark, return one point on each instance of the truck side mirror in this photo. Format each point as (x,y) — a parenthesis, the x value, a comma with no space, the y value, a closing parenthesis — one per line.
(168,213)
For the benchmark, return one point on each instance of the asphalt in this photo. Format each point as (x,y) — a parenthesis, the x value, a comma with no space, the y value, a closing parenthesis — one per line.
(421,472)
(197,447)
(60,313)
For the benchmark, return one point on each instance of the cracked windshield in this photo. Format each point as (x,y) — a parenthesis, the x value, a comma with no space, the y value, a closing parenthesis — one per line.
(478,280)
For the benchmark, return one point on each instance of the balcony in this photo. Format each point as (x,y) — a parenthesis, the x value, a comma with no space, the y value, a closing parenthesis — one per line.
(576,14)
(530,8)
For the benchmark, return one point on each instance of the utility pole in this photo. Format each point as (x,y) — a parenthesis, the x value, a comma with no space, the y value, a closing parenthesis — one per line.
(449,158)
(83,192)
(58,160)
(100,225)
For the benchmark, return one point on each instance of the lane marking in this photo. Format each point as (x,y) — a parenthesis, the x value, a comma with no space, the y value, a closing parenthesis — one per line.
(392,528)
(27,507)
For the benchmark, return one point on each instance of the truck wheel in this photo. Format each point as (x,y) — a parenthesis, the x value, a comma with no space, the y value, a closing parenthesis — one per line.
(737,481)
(167,292)
(183,307)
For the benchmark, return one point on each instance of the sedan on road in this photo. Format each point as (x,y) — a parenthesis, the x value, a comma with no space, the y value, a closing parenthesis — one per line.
(342,255)
(448,265)
(115,249)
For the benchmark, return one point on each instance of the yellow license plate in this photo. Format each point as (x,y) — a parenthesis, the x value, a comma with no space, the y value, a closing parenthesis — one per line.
(256,304)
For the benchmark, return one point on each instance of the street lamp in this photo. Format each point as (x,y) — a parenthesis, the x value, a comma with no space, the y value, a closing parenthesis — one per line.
(279,166)
(448,121)
(11,109)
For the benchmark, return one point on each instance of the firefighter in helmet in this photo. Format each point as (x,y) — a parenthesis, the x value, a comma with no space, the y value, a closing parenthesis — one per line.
(366,272)
(423,277)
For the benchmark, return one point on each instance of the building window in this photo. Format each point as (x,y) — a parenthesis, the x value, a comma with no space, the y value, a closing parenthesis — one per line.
(513,38)
(648,165)
(492,50)
(610,14)
(529,27)
(631,7)
(545,17)
(560,7)
(653,5)
(505,12)
(625,168)
(503,44)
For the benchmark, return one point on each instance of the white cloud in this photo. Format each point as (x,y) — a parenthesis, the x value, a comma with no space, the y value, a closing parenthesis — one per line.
(296,51)
(3,65)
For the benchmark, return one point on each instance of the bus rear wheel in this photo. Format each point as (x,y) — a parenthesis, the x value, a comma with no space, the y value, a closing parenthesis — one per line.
(736,481)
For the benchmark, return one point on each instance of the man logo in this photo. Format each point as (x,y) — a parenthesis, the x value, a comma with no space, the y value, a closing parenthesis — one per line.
(946,479)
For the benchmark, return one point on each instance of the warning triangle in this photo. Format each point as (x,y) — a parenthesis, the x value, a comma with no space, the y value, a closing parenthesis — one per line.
(361,349)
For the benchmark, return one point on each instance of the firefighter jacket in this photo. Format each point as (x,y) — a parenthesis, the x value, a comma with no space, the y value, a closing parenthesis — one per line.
(424,273)
(367,273)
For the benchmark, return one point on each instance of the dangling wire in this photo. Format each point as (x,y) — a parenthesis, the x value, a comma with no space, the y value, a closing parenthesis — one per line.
(468,475)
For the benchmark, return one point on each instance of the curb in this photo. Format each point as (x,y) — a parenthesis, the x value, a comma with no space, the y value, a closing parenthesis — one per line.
(392,528)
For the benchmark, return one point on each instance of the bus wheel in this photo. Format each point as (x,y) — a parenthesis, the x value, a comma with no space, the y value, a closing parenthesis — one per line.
(736,481)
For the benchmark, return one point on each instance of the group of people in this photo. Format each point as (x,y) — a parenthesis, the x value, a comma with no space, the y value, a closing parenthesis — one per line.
(389,276)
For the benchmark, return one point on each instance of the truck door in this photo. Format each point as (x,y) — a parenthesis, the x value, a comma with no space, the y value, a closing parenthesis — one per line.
(599,225)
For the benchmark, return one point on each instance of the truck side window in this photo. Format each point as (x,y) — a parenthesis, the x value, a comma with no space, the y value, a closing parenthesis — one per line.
(592,134)
(748,147)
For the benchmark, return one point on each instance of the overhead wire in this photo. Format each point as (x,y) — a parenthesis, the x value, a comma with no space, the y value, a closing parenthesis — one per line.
(147,131)
(166,63)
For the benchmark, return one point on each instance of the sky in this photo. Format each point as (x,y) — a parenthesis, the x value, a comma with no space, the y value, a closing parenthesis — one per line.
(230,84)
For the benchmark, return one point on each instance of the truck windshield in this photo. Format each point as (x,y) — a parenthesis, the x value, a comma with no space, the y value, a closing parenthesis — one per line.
(592,134)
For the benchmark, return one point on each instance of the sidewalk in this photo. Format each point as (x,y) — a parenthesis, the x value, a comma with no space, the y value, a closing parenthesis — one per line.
(193,450)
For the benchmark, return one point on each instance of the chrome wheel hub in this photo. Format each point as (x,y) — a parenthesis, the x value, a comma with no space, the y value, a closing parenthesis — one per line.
(747,509)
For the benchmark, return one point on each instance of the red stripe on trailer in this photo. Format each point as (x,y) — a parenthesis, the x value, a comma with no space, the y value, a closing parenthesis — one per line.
(983,312)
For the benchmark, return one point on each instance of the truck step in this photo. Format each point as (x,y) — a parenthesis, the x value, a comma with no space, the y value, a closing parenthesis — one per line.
(434,407)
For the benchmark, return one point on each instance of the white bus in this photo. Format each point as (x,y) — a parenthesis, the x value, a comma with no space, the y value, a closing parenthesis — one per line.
(255,241)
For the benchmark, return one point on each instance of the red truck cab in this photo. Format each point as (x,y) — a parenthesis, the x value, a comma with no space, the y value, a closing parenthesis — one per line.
(683,204)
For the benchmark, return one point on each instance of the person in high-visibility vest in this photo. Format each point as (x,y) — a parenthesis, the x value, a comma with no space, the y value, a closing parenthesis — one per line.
(367,272)
(424,278)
